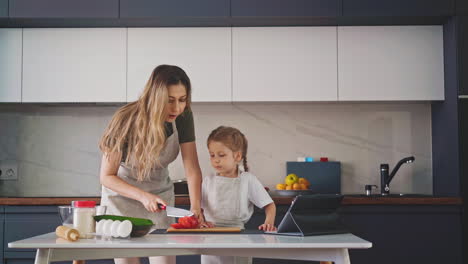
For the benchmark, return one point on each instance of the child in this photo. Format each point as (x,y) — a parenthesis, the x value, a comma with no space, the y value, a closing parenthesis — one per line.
(228,196)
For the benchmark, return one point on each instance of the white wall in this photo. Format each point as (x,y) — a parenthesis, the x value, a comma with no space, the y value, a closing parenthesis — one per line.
(56,146)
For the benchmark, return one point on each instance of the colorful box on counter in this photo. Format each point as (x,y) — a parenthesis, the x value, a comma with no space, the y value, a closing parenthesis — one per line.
(324,177)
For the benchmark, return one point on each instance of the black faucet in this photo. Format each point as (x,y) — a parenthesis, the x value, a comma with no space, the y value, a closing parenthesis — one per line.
(385,179)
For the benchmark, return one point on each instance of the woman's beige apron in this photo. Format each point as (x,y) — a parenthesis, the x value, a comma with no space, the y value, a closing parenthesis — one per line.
(158,183)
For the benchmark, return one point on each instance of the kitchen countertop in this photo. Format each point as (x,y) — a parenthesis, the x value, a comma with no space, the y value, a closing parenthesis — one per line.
(184,200)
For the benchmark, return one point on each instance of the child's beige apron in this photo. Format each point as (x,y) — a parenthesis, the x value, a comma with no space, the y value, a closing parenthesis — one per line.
(158,183)
(225,201)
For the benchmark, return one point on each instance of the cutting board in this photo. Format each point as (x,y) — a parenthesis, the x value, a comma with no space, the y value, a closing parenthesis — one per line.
(206,230)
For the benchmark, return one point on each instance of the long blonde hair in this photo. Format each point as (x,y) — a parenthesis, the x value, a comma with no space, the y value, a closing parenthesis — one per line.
(233,139)
(137,129)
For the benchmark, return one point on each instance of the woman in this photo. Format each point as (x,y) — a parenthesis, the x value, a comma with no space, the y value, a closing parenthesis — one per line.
(141,140)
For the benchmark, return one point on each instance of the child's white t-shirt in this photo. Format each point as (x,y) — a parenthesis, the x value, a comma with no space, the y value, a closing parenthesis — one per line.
(229,201)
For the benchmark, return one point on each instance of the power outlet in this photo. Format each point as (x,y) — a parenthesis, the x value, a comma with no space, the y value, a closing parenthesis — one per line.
(8,170)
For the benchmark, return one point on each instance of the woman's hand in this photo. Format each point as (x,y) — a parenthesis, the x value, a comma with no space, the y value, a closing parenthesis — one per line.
(150,202)
(267,227)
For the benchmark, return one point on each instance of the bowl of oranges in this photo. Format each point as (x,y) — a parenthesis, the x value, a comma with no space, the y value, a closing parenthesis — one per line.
(293,185)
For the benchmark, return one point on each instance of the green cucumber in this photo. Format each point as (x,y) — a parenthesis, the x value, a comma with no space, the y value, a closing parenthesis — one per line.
(135,221)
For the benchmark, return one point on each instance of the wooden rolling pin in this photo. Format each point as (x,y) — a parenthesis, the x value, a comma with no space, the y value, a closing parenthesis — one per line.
(67,233)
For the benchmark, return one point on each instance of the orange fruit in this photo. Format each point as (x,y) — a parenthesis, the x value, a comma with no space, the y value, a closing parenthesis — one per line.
(288,187)
(304,181)
(296,186)
(303,186)
(280,186)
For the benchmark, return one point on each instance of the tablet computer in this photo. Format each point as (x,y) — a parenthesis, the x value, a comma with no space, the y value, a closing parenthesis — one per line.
(314,214)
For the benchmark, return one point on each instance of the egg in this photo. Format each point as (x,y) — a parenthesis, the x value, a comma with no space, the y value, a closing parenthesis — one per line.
(99,227)
(114,228)
(106,228)
(125,228)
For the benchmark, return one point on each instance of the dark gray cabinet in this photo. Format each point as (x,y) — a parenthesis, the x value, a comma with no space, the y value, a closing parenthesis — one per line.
(63,8)
(373,8)
(3,8)
(463,54)
(157,13)
(463,126)
(2,220)
(26,221)
(400,234)
(285,8)
(174,8)
(461,7)
(406,234)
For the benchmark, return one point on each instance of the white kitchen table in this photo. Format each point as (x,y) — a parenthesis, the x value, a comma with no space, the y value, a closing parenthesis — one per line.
(319,248)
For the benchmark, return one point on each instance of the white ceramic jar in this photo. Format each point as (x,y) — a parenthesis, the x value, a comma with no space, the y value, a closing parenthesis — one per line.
(83,217)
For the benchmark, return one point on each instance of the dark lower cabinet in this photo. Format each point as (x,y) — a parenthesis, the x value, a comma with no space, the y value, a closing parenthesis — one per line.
(3,8)
(406,234)
(374,8)
(22,260)
(174,8)
(400,234)
(26,221)
(2,220)
(64,9)
(463,121)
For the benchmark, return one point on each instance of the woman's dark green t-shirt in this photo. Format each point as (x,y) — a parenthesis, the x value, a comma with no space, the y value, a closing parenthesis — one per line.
(185,127)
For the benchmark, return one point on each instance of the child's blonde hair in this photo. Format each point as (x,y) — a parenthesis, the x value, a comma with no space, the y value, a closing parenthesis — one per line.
(233,139)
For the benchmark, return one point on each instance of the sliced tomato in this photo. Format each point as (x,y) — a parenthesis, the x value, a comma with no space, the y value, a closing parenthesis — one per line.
(185,223)
(194,221)
(177,226)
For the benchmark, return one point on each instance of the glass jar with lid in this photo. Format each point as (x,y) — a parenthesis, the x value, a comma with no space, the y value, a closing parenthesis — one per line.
(83,217)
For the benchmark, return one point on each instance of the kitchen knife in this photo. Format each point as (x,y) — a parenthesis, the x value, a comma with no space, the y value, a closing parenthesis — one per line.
(175,212)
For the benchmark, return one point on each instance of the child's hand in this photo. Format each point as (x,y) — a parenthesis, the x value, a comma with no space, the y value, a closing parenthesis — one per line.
(202,222)
(206,224)
(267,227)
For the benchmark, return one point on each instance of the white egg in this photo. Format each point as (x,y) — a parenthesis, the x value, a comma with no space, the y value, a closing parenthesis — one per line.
(125,228)
(114,228)
(99,227)
(106,227)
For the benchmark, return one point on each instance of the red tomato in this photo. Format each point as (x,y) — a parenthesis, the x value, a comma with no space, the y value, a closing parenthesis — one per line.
(185,223)
(193,222)
(177,226)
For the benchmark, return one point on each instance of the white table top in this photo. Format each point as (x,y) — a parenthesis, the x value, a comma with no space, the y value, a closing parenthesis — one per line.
(191,241)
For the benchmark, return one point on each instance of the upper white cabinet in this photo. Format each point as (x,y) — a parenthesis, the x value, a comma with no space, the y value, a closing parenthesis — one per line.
(390,63)
(10,64)
(284,64)
(74,65)
(203,53)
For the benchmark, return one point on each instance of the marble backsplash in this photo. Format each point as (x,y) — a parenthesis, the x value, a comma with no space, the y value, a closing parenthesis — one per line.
(55,146)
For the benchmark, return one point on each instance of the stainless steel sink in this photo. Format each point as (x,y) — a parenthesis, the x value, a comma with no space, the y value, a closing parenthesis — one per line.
(392,195)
